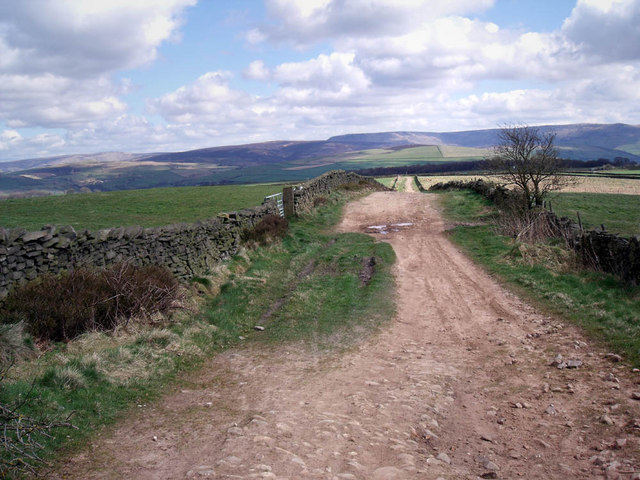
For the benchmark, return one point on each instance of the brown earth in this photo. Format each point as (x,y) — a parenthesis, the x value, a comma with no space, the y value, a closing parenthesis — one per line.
(458,386)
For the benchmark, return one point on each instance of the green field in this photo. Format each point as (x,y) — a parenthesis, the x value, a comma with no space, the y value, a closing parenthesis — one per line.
(622,172)
(147,208)
(618,212)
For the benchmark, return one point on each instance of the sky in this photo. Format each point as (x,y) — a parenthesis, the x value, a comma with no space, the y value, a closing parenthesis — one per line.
(84,76)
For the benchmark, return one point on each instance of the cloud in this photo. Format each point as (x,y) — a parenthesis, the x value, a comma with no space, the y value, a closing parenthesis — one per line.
(208,99)
(57,56)
(304,23)
(607,29)
(80,38)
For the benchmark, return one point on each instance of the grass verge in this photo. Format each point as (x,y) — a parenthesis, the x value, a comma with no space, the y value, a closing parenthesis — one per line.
(546,274)
(315,286)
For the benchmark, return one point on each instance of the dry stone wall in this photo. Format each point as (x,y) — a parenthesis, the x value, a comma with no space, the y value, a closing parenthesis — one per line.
(304,195)
(185,249)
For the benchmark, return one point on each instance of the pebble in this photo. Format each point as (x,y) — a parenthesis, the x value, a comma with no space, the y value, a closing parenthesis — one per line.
(574,363)
(635,395)
(489,475)
(443,457)
(264,440)
(614,357)
(551,410)
(202,471)
(235,431)
(486,463)
(388,473)
(621,442)
(607,420)
(259,328)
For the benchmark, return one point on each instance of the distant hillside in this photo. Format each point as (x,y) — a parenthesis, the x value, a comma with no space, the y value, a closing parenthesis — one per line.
(293,160)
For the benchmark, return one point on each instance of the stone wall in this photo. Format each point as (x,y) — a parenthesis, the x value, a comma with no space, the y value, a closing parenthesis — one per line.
(605,251)
(322,186)
(185,249)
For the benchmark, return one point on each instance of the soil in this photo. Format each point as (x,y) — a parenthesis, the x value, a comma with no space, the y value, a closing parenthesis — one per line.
(458,386)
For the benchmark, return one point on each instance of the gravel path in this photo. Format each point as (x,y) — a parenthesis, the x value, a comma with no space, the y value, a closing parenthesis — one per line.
(459,385)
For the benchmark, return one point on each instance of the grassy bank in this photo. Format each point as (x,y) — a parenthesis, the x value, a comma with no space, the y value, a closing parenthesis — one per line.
(147,208)
(548,275)
(314,286)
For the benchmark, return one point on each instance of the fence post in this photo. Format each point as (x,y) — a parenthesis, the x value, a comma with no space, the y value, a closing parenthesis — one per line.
(580,222)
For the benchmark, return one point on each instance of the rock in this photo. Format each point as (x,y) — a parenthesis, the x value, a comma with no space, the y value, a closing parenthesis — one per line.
(443,457)
(574,363)
(486,437)
(388,473)
(489,475)
(486,463)
(201,472)
(259,328)
(264,440)
(517,405)
(621,443)
(635,395)
(607,420)
(610,377)
(235,431)
(558,362)
(613,357)
(551,410)
(542,443)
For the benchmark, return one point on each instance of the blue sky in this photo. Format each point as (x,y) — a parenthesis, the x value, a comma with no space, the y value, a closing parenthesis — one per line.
(78,76)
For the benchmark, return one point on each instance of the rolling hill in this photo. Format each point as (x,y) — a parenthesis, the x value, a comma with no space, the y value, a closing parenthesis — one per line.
(293,160)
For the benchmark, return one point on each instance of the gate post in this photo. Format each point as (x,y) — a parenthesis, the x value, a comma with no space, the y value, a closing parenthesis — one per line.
(287,201)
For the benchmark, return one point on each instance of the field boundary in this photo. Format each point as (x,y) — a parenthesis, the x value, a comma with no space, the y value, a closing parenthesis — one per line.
(608,252)
(187,250)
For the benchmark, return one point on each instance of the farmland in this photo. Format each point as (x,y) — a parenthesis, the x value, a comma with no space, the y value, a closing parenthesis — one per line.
(147,208)
(614,202)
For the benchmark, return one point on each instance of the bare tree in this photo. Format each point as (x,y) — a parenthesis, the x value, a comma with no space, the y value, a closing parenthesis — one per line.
(527,159)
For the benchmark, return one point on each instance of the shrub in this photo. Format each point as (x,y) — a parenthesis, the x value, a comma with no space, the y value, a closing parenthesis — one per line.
(269,228)
(59,308)
(529,226)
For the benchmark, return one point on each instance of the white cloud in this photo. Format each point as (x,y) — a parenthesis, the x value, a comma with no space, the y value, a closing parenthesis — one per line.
(76,37)
(208,99)
(606,28)
(57,101)
(56,56)
(303,23)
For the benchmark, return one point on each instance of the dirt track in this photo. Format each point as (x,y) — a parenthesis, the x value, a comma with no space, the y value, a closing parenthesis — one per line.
(457,386)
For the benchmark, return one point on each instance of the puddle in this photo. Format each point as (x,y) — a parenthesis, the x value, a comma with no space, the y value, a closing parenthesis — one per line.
(385,229)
